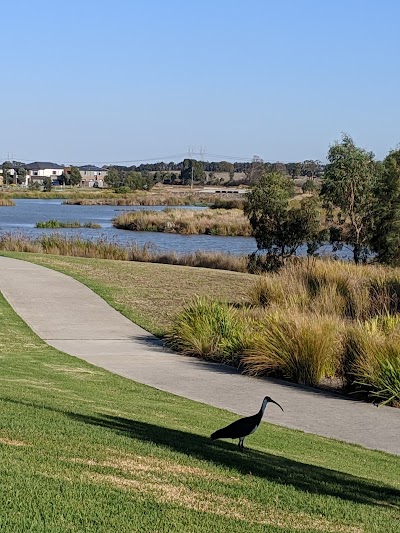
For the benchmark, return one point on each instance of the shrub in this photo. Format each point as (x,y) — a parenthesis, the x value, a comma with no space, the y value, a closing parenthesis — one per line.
(302,348)
(373,358)
(209,329)
(308,186)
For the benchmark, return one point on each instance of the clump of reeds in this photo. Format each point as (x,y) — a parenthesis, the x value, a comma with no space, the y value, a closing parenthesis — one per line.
(187,222)
(6,202)
(67,224)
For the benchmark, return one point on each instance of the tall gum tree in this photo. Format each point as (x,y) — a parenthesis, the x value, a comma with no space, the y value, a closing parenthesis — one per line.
(348,187)
(386,238)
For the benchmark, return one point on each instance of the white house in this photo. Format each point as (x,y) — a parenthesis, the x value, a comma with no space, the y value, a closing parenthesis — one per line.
(39,170)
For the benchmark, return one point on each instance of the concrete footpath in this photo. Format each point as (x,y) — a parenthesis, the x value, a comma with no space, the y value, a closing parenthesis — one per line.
(70,317)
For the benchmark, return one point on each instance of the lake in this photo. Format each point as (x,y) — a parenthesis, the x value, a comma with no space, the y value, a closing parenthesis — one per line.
(22,219)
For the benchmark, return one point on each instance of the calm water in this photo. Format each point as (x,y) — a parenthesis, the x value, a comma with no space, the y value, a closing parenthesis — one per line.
(22,219)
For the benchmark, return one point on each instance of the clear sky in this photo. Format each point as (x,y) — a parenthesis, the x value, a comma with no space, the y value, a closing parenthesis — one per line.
(121,80)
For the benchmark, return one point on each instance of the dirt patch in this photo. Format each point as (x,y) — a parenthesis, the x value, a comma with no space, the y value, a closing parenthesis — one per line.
(73,370)
(137,464)
(11,442)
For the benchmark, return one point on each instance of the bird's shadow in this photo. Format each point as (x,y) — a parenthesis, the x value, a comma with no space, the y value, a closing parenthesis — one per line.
(277,469)
(302,476)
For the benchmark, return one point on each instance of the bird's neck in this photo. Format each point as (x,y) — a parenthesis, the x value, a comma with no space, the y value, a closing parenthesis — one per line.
(263,407)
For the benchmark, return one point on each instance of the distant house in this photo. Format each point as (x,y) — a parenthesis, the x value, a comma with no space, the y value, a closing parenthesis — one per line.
(92,176)
(38,171)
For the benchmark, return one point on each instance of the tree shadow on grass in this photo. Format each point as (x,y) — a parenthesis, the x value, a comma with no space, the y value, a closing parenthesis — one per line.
(301,476)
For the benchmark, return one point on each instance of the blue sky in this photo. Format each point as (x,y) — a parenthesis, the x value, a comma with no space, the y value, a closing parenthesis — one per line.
(122,80)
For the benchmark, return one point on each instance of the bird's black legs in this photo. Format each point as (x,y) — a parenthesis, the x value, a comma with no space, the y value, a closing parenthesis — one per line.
(241,441)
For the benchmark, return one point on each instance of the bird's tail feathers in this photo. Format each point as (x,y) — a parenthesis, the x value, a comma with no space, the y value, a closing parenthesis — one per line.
(219,434)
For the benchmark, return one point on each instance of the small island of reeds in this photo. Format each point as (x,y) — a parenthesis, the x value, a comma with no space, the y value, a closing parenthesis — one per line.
(52,224)
(224,222)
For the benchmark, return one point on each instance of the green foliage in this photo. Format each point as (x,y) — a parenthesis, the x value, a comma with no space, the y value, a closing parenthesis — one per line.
(47,185)
(6,167)
(21,175)
(309,186)
(34,186)
(280,229)
(348,185)
(74,177)
(192,169)
(123,181)
(386,235)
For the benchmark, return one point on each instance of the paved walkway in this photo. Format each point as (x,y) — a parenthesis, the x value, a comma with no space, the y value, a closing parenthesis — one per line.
(97,333)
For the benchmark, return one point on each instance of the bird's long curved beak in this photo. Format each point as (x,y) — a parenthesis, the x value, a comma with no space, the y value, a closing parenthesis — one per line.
(276,403)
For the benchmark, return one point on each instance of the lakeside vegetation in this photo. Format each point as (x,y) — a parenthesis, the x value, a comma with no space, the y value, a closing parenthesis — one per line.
(6,202)
(67,224)
(147,199)
(227,222)
(57,244)
(139,459)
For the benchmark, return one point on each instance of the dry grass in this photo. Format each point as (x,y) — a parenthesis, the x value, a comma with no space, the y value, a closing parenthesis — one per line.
(227,222)
(239,508)
(301,348)
(331,287)
(6,202)
(56,244)
(12,442)
(147,198)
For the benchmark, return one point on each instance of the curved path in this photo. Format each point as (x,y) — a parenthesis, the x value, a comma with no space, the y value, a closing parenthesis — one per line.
(97,333)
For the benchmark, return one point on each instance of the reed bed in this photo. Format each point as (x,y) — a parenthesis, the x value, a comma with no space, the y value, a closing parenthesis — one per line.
(57,244)
(57,194)
(225,222)
(53,224)
(6,202)
(147,199)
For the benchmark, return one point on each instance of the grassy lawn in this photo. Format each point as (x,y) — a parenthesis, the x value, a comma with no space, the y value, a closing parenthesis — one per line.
(85,450)
(149,294)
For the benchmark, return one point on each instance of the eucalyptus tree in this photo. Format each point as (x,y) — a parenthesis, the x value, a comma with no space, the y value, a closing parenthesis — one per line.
(386,234)
(348,191)
(280,226)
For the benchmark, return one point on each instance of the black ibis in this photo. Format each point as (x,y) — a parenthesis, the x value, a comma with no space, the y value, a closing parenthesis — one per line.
(244,426)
